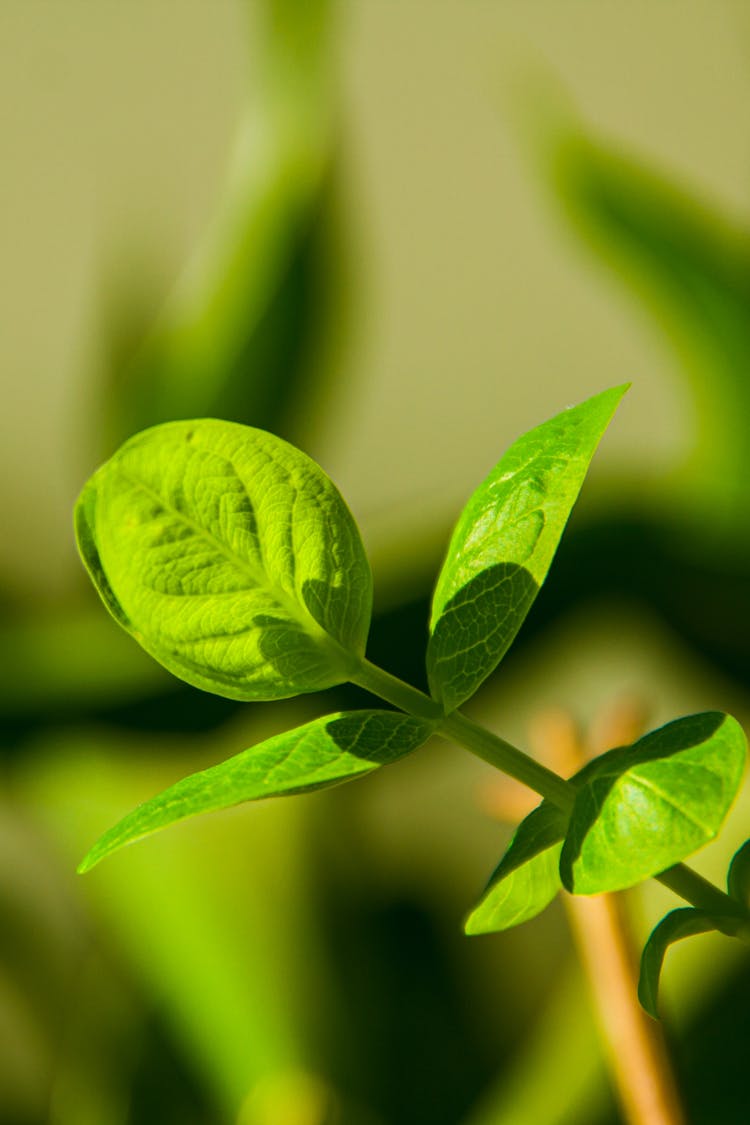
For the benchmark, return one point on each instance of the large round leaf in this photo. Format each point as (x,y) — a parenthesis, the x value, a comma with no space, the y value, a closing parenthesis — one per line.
(231,557)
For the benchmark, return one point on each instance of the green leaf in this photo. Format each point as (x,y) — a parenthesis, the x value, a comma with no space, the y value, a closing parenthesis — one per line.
(645,807)
(503,545)
(230,557)
(738,876)
(527,877)
(322,753)
(688,264)
(677,925)
(235,336)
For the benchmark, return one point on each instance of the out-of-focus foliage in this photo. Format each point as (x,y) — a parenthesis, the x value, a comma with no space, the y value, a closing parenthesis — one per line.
(688,267)
(233,341)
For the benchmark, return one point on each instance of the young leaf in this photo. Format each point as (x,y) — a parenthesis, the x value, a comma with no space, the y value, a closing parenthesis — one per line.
(231,558)
(527,877)
(678,924)
(738,876)
(503,545)
(645,807)
(322,753)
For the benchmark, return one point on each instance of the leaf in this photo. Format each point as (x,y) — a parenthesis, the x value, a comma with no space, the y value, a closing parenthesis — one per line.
(230,557)
(503,545)
(322,753)
(235,337)
(689,265)
(527,877)
(677,925)
(645,807)
(738,876)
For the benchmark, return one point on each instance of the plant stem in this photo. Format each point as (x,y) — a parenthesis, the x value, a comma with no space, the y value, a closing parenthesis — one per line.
(509,759)
(633,1042)
(407,698)
(470,735)
(680,878)
(691,886)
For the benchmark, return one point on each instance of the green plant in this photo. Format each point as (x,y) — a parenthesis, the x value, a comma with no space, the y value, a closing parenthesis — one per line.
(232,559)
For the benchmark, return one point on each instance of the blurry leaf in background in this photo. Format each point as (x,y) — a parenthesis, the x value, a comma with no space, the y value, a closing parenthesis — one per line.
(689,266)
(233,341)
(236,980)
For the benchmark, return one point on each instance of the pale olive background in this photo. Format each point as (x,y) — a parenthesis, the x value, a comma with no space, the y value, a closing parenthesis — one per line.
(472,315)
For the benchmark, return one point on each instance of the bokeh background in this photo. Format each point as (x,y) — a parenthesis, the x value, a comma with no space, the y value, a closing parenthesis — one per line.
(398,235)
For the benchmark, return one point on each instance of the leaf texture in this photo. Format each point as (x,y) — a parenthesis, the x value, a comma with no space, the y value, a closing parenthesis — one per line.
(230,556)
(320,754)
(503,546)
(527,878)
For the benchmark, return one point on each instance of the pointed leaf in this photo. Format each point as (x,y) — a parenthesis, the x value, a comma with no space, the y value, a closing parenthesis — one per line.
(677,925)
(738,877)
(503,545)
(231,558)
(322,753)
(527,878)
(645,807)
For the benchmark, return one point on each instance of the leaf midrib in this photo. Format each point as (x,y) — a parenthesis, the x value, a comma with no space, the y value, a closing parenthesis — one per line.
(259,576)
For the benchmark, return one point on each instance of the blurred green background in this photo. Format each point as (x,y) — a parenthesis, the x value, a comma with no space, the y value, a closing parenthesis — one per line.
(398,235)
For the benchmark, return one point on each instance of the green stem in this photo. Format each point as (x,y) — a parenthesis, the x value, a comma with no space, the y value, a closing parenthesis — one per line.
(685,882)
(456,727)
(407,698)
(691,886)
(509,759)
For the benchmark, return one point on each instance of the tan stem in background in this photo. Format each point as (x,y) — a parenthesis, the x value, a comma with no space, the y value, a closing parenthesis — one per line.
(633,1043)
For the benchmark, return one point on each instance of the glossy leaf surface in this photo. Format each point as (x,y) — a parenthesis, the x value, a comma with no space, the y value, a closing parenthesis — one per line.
(322,753)
(645,807)
(231,558)
(677,925)
(527,878)
(503,545)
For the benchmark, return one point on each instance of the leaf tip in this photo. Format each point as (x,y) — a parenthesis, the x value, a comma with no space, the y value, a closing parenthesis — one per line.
(471,925)
(88,861)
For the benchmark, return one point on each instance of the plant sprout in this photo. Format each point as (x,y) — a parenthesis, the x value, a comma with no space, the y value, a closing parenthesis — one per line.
(232,559)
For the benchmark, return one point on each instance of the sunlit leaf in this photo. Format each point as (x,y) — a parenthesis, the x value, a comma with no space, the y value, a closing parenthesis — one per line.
(503,545)
(527,878)
(231,557)
(322,753)
(645,807)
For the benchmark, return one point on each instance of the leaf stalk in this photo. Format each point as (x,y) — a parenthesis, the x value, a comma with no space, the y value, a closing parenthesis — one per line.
(681,879)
